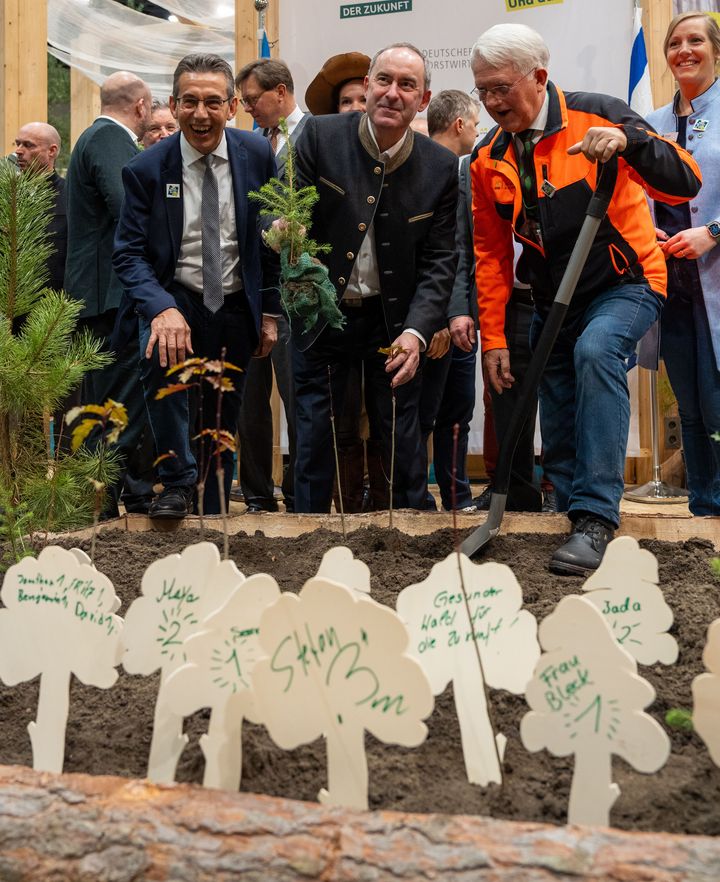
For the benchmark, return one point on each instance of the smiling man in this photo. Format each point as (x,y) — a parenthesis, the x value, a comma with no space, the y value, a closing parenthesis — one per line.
(387,208)
(531,178)
(190,257)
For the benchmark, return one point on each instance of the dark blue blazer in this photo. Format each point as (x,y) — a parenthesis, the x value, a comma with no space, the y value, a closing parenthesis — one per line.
(149,232)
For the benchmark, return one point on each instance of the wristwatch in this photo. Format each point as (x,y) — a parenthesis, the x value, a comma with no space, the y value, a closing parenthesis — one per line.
(714,229)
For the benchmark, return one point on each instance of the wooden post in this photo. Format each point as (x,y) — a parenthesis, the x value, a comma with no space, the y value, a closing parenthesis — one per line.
(246,48)
(84,103)
(23,59)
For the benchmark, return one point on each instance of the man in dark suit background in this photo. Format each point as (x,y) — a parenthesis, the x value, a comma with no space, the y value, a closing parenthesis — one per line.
(190,257)
(387,207)
(37,145)
(94,196)
(267,93)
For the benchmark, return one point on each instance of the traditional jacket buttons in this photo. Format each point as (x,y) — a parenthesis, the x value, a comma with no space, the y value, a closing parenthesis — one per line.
(350,255)
(362,227)
(377,170)
(341,280)
(371,200)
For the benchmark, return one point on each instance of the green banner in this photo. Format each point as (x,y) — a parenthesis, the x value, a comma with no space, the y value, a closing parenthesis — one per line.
(382,7)
(516,5)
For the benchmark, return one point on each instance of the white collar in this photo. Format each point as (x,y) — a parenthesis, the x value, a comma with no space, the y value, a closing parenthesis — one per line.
(190,154)
(391,151)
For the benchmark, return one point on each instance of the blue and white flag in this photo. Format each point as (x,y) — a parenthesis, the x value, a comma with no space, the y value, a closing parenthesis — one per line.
(639,89)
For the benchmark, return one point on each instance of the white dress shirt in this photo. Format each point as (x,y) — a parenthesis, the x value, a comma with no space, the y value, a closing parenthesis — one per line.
(292,119)
(188,271)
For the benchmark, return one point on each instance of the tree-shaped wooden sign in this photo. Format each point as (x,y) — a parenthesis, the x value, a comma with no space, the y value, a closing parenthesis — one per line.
(58,620)
(178,593)
(625,589)
(220,660)
(441,638)
(706,695)
(586,698)
(335,665)
(339,565)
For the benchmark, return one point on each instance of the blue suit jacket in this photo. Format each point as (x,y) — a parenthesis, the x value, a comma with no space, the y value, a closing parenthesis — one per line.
(149,232)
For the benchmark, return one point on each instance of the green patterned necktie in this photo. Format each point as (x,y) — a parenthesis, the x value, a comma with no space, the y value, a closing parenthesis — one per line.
(525,147)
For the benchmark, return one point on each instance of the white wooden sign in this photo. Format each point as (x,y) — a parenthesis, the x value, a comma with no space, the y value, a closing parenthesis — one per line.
(336,664)
(441,638)
(178,593)
(58,620)
(586,698)
(706,695)
(625,589)
(220,660)
(339,565)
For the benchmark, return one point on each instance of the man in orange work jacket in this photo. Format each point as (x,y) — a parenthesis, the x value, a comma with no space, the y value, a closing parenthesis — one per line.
(532,177)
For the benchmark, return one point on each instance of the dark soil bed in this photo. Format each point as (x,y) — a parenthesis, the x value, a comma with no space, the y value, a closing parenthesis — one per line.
(109,731)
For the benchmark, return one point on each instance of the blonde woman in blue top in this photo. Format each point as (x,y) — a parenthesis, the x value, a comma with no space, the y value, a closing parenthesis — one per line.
(689,234)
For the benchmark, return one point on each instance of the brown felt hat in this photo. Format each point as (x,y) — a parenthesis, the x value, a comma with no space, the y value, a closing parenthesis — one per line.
(321,94)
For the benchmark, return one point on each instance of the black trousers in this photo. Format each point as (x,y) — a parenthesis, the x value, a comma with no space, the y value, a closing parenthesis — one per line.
(325,366)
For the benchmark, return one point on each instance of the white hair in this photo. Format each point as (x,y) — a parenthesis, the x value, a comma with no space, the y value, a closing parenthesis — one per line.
(514,44)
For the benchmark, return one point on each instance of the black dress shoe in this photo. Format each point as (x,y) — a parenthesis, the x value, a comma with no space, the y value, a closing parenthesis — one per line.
(585,548)
(254,506)
(482,502)
(549,501)
(172,503)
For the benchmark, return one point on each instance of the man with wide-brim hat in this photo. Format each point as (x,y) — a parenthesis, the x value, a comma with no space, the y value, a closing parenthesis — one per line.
(324,93)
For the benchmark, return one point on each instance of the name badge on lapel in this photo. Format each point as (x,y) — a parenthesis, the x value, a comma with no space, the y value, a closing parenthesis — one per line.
(172,191)
(700,125)
(548,189)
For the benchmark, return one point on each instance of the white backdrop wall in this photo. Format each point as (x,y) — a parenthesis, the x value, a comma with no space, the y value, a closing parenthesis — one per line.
(589,42)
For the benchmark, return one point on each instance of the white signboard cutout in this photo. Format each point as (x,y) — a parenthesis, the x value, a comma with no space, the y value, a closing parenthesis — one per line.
(339,565)
(58,620)
(706,695)
(441,638)
(586,698)
(178,593)
(220,660)
(336,664)
(625,589)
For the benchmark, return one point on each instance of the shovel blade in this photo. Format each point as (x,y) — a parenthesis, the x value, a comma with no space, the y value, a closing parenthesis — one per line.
(480,537)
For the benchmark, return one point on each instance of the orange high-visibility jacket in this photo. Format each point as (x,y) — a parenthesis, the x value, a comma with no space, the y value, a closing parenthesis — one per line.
(625,246)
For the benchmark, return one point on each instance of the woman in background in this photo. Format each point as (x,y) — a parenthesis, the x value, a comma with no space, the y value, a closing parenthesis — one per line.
(689,234)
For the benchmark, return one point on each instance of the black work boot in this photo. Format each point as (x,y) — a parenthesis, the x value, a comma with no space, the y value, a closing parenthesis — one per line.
(173,503)
(585,548)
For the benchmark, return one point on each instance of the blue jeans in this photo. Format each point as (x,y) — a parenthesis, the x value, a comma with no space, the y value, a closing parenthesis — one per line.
(171,418)
(584,400)
(690,360)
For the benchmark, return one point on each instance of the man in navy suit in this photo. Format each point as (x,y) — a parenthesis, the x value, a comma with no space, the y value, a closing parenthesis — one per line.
(162,260)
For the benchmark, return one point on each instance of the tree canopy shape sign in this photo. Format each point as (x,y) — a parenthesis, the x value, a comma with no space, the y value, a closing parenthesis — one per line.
(441,638)
(59,620)
(586,698)
(220,660)
(178,593)
(706,695)
(335,665)
(625,590)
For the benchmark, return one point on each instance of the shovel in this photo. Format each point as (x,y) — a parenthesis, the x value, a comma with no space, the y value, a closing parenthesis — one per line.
(597,207)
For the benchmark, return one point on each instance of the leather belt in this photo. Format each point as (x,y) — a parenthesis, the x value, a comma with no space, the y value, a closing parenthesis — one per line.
(357,302)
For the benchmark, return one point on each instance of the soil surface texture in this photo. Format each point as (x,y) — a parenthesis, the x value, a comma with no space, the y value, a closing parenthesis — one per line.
(109,730)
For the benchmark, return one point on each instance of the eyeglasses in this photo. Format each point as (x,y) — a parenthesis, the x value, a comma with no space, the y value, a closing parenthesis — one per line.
(251,100)
(500,91)
(212,104)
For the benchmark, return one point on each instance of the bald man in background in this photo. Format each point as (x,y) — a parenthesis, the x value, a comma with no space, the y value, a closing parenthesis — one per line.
(37,145)
(94,196)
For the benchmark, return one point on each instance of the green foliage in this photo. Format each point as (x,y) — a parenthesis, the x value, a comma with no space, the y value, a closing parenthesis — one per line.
(715,567)
(306,290)
(678,718)
(41,360)
(59,106)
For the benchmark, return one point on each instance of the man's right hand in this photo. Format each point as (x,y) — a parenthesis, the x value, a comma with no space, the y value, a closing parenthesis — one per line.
(172,334)
(462,331)
(496,363)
